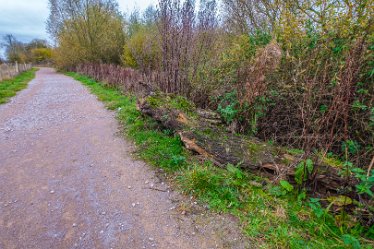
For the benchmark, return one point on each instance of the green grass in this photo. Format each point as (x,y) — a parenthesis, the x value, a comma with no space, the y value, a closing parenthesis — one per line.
(269,215)
(9,88)
(155,146)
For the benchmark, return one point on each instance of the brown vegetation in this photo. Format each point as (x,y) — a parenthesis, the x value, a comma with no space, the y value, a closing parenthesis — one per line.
(295,74)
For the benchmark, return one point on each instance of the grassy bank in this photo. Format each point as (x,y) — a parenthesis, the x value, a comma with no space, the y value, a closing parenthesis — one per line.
(272,216)
(9,88)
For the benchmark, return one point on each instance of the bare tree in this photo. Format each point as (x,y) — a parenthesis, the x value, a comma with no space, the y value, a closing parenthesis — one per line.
(150,15)
(14,49)
(176,25)
(247,16)
(64,10)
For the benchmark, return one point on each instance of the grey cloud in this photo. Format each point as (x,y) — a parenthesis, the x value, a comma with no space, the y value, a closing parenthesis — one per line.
(24,19)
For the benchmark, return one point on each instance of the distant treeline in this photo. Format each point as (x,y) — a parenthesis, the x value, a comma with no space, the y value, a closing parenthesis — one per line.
(37,51)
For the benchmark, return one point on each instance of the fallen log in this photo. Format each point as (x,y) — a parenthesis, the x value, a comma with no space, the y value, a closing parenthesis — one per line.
(213,141)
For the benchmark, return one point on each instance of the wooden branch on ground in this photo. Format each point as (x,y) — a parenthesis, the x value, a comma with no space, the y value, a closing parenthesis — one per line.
(212,141)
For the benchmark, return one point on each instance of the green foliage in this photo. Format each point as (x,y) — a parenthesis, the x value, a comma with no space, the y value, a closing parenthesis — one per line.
(235,172)
(303,170)
(316,207)
(351,241)
(323,108)
(9,88)
(312,35)
(339,200)
(347,169)
(286,185)
(332,160)
(358,105)
(294,151)
(257,110)
(271,220)
(82,40)
(172,101)
(226,58)
(283,189)
(259,38)
(228,107)
(351,146)
(141,50)
(309,166)
(178,160)
(277,191)
(240,54)
(181,103)
(366,181)
(40,55)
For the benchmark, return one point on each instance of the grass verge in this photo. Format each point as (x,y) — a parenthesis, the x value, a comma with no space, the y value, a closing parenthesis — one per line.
(272,216)
(9,88)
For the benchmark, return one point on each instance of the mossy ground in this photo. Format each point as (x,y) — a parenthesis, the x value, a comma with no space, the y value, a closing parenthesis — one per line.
(269,215)
(9,88)
(172,101)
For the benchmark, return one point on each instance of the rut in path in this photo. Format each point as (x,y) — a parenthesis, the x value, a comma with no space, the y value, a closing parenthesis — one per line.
(67,180)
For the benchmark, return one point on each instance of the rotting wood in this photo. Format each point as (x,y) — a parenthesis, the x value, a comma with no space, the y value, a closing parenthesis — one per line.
(215,143)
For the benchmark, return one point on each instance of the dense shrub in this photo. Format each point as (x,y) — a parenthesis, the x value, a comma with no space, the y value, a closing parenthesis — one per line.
(299,73)
(142,50)
(86,31)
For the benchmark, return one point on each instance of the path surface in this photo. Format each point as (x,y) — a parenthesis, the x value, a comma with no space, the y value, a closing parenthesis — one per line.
(68,180)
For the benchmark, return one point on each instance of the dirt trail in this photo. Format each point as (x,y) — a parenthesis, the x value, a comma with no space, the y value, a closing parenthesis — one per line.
(67,180)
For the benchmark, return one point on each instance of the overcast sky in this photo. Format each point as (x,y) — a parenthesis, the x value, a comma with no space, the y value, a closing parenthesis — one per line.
(25,19)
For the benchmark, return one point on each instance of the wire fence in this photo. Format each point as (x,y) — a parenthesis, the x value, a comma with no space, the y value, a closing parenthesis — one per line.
(8,71)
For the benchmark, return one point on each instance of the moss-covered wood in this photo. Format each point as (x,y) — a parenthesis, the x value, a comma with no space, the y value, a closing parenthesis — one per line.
(208,138)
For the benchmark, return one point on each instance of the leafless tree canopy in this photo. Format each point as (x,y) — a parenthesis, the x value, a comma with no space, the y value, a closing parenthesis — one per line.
(63,10)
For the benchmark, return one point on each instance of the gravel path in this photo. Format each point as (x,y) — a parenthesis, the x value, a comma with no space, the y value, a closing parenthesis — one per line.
(67,180)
